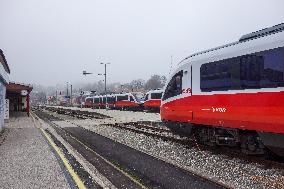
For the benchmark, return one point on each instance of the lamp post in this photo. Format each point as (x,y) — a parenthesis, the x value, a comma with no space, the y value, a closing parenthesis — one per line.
(105,74)
(71,90)
(66,88)
(56,97)
(85,73)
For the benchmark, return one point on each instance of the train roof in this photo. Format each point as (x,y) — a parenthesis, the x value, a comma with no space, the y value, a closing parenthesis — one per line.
(155,91)
(244,38)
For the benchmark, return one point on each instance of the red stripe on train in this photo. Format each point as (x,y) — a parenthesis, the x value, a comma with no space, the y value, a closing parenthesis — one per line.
(152,103)
(263,111)
(126,104)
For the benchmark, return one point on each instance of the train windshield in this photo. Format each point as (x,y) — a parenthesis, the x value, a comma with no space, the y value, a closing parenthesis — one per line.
(174,87)
(156,95)
(138,97)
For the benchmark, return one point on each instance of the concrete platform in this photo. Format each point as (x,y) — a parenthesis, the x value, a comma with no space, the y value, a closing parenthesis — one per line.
(27,160)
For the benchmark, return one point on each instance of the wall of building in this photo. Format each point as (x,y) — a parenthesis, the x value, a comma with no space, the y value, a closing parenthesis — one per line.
(4,79)
(2,104)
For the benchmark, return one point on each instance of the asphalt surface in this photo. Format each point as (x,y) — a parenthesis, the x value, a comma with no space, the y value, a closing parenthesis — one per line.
(153,172)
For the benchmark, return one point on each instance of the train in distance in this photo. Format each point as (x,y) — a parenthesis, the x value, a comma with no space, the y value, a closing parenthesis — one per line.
(127,101)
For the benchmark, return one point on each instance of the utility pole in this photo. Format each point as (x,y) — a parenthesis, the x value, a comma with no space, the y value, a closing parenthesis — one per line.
(105,74)
(71,95)
(106,85)
(171,66)
(67,89)
(81,100)
(56,98)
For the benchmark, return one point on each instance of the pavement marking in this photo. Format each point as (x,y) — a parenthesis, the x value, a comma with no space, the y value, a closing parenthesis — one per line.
(71,171)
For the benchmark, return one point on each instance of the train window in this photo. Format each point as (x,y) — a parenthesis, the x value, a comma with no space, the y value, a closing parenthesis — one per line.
(253,71)
(120,98)
(104,99)
(131,98)
(174,87)
(110,99)
(96,100)
(156,95)
(146,97)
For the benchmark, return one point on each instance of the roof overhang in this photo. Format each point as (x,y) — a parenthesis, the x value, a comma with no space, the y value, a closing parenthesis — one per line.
(4,61)
(13,87)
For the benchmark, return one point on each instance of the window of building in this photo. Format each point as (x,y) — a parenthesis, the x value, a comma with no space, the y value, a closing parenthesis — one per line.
(253,71)
(174,87)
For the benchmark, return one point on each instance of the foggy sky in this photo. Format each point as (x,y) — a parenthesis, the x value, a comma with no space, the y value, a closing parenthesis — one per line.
(53,41)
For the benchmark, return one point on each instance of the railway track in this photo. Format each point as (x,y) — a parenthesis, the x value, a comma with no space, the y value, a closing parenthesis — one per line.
(152,131)
(77,113)
(148,171)
(147,128)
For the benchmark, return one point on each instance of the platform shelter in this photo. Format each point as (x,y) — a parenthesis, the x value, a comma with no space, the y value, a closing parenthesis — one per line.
(19,97)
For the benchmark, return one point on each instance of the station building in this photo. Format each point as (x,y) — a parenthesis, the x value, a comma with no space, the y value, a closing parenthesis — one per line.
(18,95)
(4,80)
(14,97)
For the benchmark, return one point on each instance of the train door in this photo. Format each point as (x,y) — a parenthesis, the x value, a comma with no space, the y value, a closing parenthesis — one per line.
(183,106)
(177,94)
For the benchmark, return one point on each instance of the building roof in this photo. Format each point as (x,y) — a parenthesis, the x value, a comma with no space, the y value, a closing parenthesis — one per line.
(4,61)
(18,87)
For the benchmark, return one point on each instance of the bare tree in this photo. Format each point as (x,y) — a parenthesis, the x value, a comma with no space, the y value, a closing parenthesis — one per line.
(163,80)
(155,82)
(137,84)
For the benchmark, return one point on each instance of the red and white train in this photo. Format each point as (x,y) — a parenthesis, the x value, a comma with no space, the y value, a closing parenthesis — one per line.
(231,95)
(129,101)
(125,101)
(152,100)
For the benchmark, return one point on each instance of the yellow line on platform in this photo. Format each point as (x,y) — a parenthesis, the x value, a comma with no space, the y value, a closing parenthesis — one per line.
(73,174)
